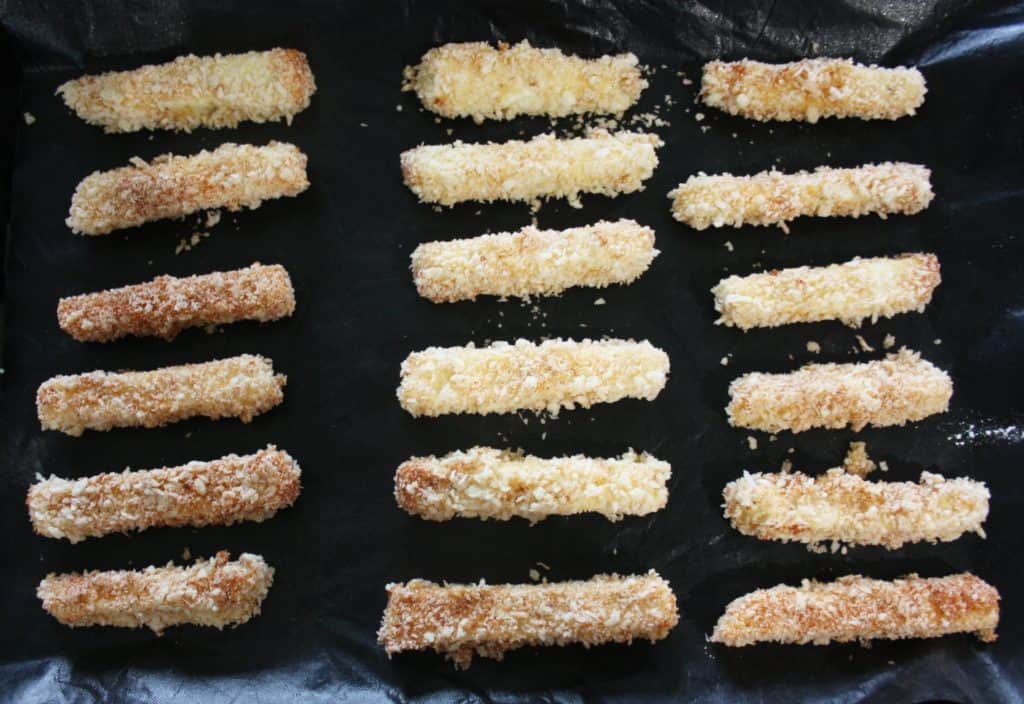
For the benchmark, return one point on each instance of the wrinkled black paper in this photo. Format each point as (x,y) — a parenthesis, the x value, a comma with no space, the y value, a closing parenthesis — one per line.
(346,243)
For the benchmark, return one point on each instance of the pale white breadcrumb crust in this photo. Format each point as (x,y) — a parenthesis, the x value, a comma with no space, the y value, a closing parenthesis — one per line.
(549,376)
(463,620)
(484,482)
(855,608)
(533,262)
(474,79)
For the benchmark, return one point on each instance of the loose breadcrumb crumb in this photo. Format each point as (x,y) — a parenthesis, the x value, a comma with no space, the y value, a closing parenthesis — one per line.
(30,119)
(857,461)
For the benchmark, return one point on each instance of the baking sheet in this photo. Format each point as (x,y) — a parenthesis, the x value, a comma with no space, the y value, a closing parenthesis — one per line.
(346,243)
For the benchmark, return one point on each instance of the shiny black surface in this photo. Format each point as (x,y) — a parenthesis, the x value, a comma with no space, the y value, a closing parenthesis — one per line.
(346,243)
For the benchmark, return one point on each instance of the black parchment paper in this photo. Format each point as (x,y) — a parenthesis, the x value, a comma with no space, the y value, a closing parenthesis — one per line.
(346,243)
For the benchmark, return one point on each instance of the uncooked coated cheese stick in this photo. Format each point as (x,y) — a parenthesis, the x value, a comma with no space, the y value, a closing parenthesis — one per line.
(549,376)
(462,620)
(891,391)
(474,79)
(484,482)
(850,292)
(191,91)
(811,89)
(855,608)
(232,176)
(544,167)
(533,262)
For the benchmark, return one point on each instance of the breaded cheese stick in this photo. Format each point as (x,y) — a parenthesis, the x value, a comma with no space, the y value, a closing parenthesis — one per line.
(474,79)
(855,608)
(191,91)
(533,262)
(484,482)
(215,592)
(843,508)
(850,292)
(544,167)
(237,387)
(811,89)
(462,620)
(222,492)
(555,374)
(232,176)
(167,305)
(775,198)
(891,391)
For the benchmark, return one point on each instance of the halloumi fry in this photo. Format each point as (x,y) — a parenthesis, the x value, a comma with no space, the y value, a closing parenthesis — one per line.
(775,198)
(222,492)
(855,608)
(463,620)
(533,262)
(852,292)
(237,387)
(484,482)
(544,167)
(474,79)
(549,376)
(891,391)
(232,176)
(192,91)
(812,89)
(167,305)
(217,592)
(843,508)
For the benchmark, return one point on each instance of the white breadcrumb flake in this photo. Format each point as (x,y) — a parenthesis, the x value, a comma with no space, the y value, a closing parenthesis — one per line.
(476,80)
(775,198)
(30,119)
(857,461)
(463,620)
(217,592)
(889,342)
(813,347)
(233,176)
(191,91)
(811,89)
(891,391)
(220,492)
(856,608)
(533,262)
(751,442)
(544,167)
(858,290)
(487,483)
(845,508)
(549,376)
(237,387)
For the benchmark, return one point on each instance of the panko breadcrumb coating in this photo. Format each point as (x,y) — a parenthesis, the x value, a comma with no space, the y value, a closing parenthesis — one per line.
(544,167)
(221,492)
(855,608)
(484,482)
(549,376)
(191,91)
(811,89)
(232,176)
(215,592)
(533,262)
(463,620)
(839,507)
(237,387)
(891,391)
(852,292)
(775,198)
(474,79)
(167,305)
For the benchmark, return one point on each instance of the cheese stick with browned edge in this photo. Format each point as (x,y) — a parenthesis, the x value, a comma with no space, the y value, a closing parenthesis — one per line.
(220,492)
(891,391)
(237,387)
(463,620)
(216,592)
(855,608)
(232,176)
